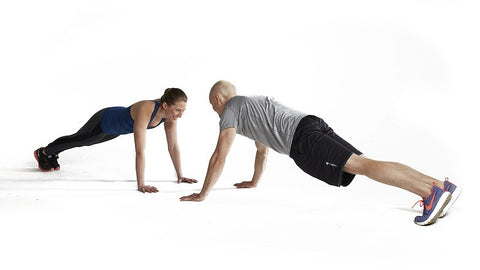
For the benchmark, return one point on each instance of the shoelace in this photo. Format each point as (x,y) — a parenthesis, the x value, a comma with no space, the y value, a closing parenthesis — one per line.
(422,203)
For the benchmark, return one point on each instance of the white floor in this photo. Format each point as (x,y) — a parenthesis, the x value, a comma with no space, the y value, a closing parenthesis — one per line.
(88,215)
(397,80)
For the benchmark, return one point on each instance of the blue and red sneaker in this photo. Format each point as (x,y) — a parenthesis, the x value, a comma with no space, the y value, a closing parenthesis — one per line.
(450,187)
(433,206)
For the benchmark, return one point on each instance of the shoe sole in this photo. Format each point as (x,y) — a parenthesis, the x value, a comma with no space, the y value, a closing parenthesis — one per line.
(442,202)
(455,195)
(36,157)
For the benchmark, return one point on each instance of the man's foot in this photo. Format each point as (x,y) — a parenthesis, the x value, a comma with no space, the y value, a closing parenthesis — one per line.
(433,206)
(450,187)
(43,161)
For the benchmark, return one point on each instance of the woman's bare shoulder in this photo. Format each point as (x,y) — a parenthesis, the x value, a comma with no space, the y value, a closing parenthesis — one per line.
(145,106)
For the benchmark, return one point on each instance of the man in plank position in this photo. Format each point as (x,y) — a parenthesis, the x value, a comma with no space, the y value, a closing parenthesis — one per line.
(314,147)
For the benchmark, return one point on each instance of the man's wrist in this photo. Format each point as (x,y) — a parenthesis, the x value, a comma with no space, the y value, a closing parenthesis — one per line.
(202,195)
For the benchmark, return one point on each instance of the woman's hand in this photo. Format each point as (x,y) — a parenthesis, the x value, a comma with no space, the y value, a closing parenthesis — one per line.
(147,189)
(186,180)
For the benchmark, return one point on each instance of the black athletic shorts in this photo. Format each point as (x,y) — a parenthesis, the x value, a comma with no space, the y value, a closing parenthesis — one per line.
(321,153)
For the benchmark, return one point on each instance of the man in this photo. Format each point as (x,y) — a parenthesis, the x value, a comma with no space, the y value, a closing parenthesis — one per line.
(314,147)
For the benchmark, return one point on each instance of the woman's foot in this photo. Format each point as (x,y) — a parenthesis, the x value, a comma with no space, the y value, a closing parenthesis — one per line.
(53,159)
(43,161)
(46,163)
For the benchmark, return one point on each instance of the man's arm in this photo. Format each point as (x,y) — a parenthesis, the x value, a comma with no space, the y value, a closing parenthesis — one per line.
(215,166)
(260,162)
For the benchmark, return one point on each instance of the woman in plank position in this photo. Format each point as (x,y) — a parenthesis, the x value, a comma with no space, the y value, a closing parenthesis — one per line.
(111,122)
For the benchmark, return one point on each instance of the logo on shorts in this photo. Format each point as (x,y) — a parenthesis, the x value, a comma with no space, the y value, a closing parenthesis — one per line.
(331,164)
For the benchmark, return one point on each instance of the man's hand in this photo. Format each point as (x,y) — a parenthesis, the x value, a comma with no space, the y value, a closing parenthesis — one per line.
(215,165)
(195,197)
(148,189)
(245,184)
(186,180)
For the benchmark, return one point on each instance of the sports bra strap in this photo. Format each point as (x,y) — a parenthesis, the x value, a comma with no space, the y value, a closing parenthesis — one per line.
(157,105)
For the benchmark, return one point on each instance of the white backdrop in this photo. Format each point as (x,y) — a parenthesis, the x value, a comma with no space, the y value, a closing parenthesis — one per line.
(397,79)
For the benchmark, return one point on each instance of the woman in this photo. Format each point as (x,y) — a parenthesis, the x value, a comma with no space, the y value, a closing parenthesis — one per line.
(111,122)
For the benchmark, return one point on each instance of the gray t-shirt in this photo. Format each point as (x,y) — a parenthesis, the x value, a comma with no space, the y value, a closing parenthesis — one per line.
(262,119)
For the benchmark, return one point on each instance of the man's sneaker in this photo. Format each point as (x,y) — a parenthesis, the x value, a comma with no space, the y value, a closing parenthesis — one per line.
(455,193)
(53,159)
(43,161)
(433,206)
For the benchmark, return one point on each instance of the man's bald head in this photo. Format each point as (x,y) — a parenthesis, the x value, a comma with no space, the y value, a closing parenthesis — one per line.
(220,94)
(223,88)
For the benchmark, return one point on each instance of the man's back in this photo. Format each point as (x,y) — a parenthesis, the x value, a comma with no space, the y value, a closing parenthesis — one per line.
(262,119)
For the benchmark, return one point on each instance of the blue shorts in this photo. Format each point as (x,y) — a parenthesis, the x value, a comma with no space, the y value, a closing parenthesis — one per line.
(320,152)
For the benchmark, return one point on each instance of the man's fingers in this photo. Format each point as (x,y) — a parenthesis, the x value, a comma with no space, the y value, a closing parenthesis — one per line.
(242,184)
(192,197)
(185,198)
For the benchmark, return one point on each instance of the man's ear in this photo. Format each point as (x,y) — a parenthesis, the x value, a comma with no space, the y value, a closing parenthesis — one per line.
(217,99)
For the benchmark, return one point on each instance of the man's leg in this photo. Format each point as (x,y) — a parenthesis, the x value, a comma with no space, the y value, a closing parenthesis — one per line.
(431,190)
(393,174)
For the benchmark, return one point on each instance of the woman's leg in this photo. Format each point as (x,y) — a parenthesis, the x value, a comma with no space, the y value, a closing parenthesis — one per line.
(91,133)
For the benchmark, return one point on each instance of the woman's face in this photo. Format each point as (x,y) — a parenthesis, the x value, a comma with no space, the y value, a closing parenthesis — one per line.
(176,110)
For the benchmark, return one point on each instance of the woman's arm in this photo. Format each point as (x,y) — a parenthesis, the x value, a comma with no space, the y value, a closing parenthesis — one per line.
(174,150)
(141,117)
